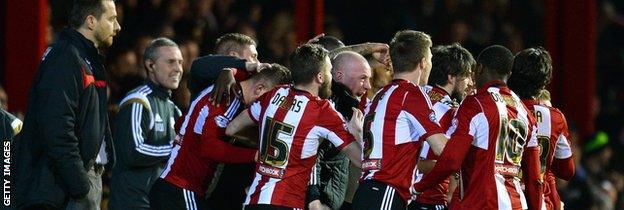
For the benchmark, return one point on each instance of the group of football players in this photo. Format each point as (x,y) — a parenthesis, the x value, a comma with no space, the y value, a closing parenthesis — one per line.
(446,130)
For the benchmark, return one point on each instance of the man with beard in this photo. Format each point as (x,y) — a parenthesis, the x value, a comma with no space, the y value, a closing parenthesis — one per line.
(328,184)
(66,140)
(398,120)
(448,83)
(293,120)
(144,127)
(531,72)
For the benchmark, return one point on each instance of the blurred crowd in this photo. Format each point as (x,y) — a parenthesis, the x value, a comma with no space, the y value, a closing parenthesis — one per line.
(599,167)
(195,24)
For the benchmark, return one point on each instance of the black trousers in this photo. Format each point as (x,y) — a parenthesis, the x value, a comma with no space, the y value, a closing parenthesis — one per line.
(229,192)
(374,195)
(267,207)
(166,196)
(421,206)
(346,206)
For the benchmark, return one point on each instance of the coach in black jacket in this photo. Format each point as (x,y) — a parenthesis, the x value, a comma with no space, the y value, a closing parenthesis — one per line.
(66,121)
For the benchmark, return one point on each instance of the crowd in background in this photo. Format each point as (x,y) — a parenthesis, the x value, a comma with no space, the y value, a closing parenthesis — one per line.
(195,24)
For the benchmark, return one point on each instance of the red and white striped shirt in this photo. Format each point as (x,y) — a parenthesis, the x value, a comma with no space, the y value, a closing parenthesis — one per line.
(444,108)
(493,137)
(199,147)
(556,153)
(397,121)
(292,123)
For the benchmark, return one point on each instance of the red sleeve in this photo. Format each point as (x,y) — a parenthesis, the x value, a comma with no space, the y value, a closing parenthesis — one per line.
(451,159)
(563,163)
(445,124)
(218,150)
(336,132)
(531,170)
(224,152)
(211,144)
(417,104)
(446,121)
(563,168)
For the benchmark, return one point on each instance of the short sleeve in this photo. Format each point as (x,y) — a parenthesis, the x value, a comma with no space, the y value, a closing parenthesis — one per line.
(333,127)
(419,113)
(562,148)
(470,123)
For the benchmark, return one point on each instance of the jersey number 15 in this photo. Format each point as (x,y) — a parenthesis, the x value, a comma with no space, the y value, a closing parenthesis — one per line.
(274,151)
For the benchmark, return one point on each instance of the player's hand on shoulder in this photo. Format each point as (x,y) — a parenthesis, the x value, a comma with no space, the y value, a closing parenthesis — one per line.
(222,87)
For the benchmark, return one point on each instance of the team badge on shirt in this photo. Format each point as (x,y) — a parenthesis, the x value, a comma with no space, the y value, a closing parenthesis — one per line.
(435,96)
(432,117)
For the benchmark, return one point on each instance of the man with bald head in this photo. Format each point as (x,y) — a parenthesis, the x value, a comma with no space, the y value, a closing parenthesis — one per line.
(328,183)
(351,73)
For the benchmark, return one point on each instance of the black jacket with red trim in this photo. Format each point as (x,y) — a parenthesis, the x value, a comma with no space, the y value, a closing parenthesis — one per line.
(65,124)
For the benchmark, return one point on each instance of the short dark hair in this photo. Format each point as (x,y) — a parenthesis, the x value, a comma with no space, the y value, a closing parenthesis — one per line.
(328,42)
(407,49)
(306,62)
(152,48)
(276,75)
(83,8)
(531,72)
(232,42)
(451,60)
(496,59)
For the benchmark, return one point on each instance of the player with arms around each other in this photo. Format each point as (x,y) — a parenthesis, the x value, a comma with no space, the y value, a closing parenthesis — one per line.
(201,143)
(292,121)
